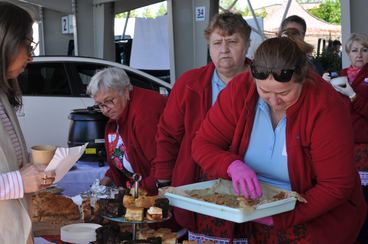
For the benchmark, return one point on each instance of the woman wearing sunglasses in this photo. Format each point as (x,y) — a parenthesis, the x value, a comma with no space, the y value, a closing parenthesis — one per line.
(280,124)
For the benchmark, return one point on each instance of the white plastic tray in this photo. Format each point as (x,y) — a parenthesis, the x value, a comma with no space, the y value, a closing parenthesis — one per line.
(223,212)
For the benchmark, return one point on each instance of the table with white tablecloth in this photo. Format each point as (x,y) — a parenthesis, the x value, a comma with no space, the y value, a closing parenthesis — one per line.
(81,177)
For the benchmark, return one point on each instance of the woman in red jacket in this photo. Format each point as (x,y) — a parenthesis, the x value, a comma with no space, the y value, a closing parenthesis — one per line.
(356,92)
(133,116)
(282,125)
(192,96)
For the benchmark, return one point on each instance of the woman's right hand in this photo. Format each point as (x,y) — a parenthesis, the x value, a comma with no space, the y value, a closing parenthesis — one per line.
(35,178)
(242,175)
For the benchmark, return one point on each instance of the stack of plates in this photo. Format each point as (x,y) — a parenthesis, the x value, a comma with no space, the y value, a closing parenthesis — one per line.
(79,233)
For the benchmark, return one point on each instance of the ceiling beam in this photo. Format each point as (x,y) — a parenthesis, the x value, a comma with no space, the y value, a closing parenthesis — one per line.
(64,6)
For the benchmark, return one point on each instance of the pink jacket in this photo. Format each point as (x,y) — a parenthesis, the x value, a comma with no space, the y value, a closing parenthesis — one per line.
(319,147)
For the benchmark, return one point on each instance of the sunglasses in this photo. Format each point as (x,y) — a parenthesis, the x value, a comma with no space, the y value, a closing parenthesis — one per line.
(261,73)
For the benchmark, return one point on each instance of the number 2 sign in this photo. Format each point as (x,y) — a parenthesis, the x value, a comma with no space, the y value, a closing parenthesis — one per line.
(65,25)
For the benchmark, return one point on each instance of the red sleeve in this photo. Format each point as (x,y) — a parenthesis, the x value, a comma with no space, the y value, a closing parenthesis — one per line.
(109,173)
(170,132)
(145,135)
(211,144)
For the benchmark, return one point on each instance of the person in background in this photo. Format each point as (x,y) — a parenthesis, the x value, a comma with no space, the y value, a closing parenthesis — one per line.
(17,175)
(282,125)
(192,96)
(355,90)
(296,36)
(133,115)
(297,22)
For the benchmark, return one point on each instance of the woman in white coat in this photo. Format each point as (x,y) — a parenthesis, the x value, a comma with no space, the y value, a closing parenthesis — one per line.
(17,176)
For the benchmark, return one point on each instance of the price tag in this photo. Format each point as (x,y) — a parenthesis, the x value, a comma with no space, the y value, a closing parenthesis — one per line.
(200,13)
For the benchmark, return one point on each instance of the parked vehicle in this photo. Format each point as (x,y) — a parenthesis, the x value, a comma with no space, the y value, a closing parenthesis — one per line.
(53,86)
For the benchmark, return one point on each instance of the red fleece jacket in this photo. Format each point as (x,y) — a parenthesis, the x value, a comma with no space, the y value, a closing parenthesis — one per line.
(137,127)
(359,107)
(319,147)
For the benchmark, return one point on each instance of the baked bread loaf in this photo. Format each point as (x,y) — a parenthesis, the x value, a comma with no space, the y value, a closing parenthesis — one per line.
(50,207)
(128,201)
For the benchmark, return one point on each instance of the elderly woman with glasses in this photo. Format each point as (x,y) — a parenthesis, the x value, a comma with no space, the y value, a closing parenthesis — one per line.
(133,116)
(280,124)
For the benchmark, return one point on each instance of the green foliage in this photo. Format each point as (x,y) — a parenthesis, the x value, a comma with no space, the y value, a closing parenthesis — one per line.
(261,13)
(225,4)
(162,10)
(329,11)
(147,13)
(133,14)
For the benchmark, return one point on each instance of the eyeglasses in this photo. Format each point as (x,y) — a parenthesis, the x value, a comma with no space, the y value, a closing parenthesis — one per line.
(108,103)
(281,75)
(31,46)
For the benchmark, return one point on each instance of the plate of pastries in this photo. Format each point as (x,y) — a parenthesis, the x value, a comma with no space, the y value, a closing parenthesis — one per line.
(124,207)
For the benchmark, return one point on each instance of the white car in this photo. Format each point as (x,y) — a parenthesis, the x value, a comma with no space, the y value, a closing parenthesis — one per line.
(55,85)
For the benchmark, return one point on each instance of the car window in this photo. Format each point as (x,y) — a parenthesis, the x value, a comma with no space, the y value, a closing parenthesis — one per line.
(85,71)
(147,83)
(45,79)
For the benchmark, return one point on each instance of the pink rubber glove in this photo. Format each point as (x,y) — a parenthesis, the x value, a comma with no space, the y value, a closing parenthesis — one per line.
(243,175)
(265,221)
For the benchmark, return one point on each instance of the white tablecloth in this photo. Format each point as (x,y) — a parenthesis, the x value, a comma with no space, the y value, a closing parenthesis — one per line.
(81,177)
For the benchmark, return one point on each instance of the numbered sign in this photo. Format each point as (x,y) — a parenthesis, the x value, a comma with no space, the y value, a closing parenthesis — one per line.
(65,24)
(200,13)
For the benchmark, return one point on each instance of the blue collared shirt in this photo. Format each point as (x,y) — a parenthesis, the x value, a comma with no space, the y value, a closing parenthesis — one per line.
(217,86)
(266,153)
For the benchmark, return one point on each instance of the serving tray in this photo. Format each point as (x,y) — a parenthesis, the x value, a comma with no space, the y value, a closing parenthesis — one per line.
(238,215)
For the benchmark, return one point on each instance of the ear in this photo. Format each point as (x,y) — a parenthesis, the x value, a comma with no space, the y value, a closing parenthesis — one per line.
(126,93)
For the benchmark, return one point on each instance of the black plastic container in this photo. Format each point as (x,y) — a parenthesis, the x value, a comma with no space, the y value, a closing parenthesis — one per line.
(88,125)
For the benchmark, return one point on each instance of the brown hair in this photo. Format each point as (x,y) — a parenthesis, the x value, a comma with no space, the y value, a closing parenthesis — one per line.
(297,37)
(229,23)
(15,26)
(282,53)
(294,19)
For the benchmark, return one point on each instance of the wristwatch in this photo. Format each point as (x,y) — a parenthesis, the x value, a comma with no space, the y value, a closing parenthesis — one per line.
(162,184)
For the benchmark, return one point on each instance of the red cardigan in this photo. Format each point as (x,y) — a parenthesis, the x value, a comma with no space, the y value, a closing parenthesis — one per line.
(359,107)
(320,150)
(187,106)
(137,127)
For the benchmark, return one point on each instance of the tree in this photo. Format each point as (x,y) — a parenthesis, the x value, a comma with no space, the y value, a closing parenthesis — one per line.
(147,13)
(329,11)
(133,14)
(162,10)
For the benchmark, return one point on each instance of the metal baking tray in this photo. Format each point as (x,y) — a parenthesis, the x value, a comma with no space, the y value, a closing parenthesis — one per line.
(237,215)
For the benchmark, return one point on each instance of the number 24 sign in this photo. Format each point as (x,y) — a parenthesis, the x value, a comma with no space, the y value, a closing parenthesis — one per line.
(200,13)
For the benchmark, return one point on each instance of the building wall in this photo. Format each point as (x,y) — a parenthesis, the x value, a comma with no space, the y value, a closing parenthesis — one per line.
(56,43)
